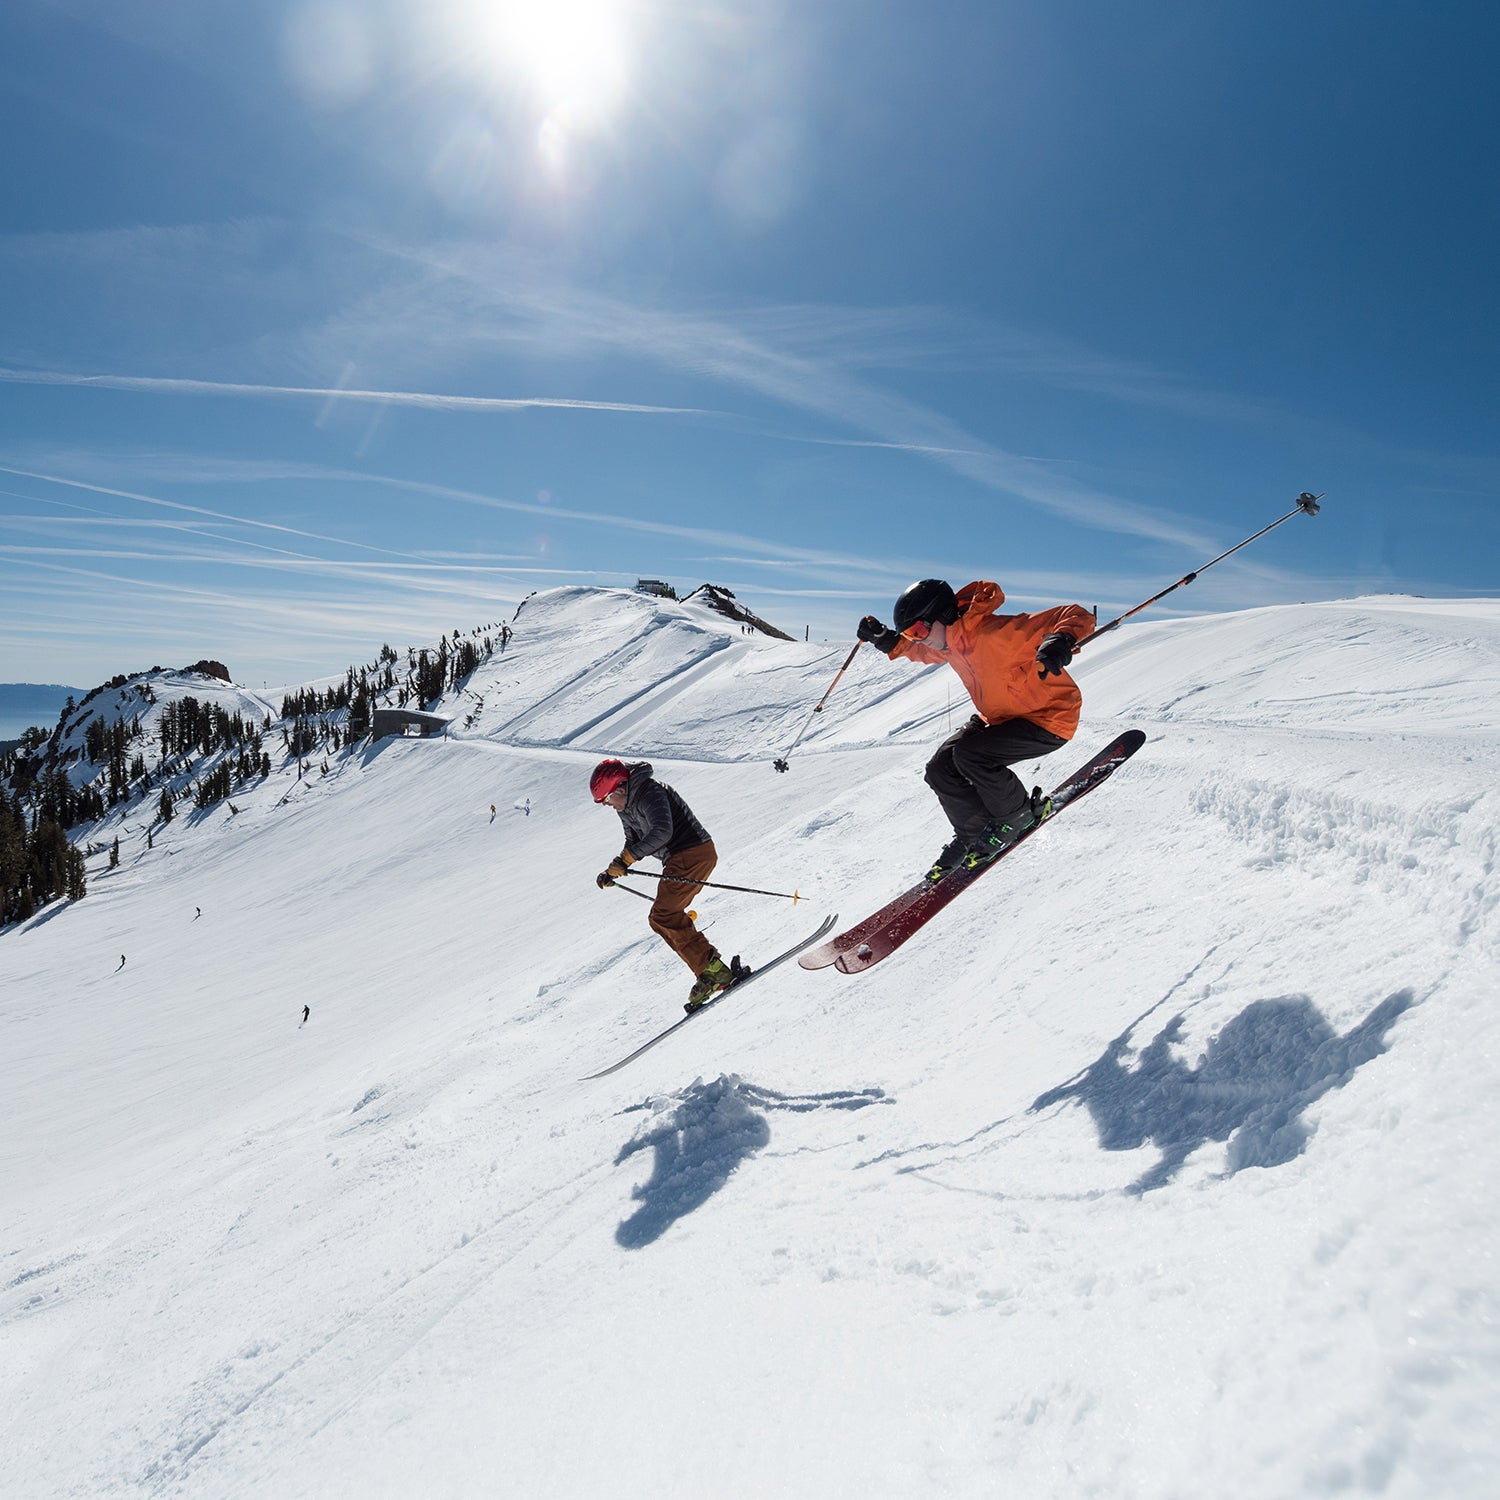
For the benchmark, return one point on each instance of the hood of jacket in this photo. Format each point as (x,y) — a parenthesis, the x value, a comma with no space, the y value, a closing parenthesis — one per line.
(978,599)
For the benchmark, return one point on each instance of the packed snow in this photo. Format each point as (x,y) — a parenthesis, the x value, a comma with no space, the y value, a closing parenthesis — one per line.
(1161,1164)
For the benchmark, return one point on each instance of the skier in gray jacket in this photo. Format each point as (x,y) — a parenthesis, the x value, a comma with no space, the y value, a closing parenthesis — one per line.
(658,824)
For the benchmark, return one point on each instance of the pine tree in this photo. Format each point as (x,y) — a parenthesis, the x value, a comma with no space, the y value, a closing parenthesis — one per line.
(359,712)
(75,885)
(12,856)
(51,865)
(215,786)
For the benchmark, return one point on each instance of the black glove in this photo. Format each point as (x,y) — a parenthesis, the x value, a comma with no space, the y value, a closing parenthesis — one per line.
(881,637)
(604,879)
(1055,652)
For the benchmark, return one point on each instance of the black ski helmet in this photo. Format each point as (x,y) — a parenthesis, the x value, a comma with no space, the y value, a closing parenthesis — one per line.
(930,600)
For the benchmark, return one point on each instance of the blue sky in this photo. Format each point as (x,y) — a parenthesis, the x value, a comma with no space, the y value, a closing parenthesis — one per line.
(349,321)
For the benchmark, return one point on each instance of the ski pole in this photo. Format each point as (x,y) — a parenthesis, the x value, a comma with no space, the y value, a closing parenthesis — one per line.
(1306,505)
(781,762)
(692,915)
(792,896)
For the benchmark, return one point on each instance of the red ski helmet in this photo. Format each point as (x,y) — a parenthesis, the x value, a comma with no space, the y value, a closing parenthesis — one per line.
(609,776)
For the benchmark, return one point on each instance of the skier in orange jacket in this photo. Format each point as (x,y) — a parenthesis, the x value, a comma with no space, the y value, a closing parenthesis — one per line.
(1013,667)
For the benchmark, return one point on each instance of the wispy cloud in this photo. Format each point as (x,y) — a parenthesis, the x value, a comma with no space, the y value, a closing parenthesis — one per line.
(810,574)
(294,636)
(440,308)
(428,400)
(196,469)
(484,298)
(196,510)
(707,536)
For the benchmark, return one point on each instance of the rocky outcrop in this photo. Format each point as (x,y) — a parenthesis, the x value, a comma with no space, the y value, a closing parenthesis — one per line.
(211,669)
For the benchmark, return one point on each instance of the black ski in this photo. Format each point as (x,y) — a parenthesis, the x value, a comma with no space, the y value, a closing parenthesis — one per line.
(824,928)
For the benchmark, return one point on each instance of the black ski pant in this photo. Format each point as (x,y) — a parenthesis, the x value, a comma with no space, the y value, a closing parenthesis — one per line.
(971,774)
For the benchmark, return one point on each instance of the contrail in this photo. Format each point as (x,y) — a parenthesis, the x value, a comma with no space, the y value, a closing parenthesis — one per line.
(427,399)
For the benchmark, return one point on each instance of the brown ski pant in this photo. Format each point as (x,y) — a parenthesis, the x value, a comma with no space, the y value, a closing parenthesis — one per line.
(669,912)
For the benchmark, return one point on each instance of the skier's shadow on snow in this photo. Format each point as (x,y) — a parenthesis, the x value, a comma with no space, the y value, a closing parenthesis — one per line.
(714,1127)
(1253,1082)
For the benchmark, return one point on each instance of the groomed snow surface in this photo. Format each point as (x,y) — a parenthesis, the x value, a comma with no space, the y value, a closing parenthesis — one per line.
(1162,1164)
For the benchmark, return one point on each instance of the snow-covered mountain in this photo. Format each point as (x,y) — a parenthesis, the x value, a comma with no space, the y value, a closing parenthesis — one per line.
(141,698)
(1161,1164)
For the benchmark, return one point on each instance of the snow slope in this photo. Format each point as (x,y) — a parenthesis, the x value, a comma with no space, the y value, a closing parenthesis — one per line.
(1162,1164)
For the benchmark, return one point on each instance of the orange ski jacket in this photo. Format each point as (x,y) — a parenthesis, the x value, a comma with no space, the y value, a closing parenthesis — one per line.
(995,656)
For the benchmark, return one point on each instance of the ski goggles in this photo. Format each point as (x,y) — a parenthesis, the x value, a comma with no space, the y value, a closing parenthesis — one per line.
(918,630)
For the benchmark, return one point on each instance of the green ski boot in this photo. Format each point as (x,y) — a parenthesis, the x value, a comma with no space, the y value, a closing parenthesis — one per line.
(995,838)
(716,976)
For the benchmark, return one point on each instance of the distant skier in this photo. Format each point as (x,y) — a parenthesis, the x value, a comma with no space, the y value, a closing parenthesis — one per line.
(658,823)
(306,1012)
(1013,668)
(122,963)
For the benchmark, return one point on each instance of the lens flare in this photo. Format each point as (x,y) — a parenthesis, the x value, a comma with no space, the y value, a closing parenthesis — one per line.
(572,55)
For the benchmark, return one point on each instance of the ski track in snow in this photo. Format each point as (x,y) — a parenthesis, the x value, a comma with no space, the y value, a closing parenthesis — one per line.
(1166,1151)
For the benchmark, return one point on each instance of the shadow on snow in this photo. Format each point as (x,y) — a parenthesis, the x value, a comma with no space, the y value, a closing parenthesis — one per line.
(714,1127)
(1253,1082)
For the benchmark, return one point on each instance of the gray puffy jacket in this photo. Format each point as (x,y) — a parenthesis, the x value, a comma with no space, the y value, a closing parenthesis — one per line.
(658,823)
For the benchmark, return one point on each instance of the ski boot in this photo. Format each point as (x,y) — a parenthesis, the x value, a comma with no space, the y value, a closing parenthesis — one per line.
(995,838)
(952,856)
(716,977)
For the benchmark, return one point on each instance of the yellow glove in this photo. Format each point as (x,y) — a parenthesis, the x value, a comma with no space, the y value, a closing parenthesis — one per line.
(619,865)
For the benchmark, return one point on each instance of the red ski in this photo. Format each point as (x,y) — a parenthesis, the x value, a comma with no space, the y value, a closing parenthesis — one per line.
(878,936)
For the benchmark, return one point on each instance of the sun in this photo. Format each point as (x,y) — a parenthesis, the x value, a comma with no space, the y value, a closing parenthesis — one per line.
(571,55)
(555,73)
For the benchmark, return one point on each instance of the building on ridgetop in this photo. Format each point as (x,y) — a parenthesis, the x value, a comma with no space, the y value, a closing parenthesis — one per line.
(655,586)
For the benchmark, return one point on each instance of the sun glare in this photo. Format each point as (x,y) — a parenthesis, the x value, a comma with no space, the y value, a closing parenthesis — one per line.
(558,69)
(571,54)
